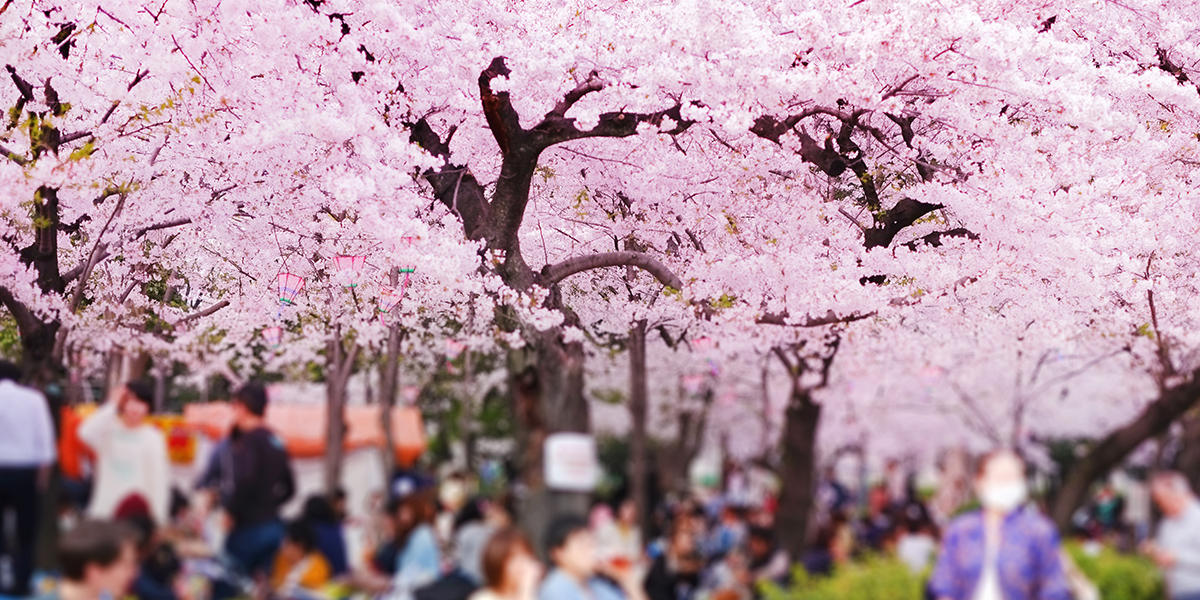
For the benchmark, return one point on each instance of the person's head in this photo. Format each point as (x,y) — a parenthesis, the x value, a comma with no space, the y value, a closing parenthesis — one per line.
(249,403)
(99,556)
(340,506)
(135,401)
(505,556)
(299,540)
(682,540)
(760,543)
(878,499)
(1171,492)
(627,513)
(318,509)
(410,511)
(9,371)
(571,546)
(1000,481)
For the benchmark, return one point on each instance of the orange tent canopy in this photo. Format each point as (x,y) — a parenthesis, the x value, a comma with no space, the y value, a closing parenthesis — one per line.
(303,427)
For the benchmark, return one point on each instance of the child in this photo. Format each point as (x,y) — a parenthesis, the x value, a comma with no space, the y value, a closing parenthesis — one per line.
(98,559)
(299,565)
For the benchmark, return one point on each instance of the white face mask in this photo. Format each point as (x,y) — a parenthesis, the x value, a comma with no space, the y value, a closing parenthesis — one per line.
(1003,497)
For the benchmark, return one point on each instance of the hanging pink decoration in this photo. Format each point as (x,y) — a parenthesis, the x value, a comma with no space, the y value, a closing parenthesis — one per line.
(348,268)
(273,335)
(289,286)
(409,266)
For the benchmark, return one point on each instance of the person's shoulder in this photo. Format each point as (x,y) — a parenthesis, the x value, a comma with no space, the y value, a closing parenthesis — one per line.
(1037,523)
(964,522)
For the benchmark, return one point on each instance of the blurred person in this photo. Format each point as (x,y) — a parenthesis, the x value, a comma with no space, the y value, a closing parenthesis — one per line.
(1006,550)
(159,564)
(766,561)
(879,523)
(621,538)
(510,570)
(675,574)
(321,516)
(572,550)
(728,534)
(254,478)
(829,548)
(471,534)
(98,559)
(1176,548)
(131,453)
(411,559)
(916,544)
(27,454)
(299,565)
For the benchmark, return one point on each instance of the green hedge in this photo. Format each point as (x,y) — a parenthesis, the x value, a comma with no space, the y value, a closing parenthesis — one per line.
(1117,576)
(870,579)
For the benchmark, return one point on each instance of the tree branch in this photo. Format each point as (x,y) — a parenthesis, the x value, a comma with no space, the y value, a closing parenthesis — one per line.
(552,274)
(590,84)
(200,314)
(829,318)
(935,239)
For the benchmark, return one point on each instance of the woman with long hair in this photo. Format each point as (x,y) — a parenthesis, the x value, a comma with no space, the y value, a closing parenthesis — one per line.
(510,570)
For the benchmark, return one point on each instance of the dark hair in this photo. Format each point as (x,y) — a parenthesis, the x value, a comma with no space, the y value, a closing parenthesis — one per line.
(179,503)
(97,543)
(301,533)
(500,548)
(562,528)
(9,371)
(142,390)
(471,512)
(140,525)
(762,533)
(252,395)
(318,509)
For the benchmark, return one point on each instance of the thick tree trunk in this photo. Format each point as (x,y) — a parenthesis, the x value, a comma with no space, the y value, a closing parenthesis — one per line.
(549,398)
(799,470)
(339,365)
(638,401)
(1188,460)
(1107,453)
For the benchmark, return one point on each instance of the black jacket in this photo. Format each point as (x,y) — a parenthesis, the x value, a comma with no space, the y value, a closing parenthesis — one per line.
(256,476)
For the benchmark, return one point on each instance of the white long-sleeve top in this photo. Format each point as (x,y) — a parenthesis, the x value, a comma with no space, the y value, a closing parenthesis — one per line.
(26,428)
(128,461)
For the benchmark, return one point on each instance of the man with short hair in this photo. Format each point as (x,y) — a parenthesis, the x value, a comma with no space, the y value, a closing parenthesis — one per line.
(572,551)
(1177,547)
(26,455)
(255,480)
(98,560)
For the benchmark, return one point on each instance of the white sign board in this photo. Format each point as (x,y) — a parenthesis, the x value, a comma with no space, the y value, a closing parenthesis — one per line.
(571,463)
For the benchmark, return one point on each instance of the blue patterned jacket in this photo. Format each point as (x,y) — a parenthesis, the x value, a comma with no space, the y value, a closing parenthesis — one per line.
(1029,564)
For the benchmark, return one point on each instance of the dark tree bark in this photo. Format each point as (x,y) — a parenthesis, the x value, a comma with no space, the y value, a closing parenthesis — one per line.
(799,470)
(638,400)
(1172,403)
(339,364)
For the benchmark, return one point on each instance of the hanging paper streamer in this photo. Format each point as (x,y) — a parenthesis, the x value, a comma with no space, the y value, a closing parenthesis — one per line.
(273,335)
(289,286)
(349,268)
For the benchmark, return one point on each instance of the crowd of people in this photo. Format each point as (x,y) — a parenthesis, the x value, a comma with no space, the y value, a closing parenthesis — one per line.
(138,536)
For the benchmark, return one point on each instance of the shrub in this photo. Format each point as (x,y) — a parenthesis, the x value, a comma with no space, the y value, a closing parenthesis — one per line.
(1119,576)
(871,579)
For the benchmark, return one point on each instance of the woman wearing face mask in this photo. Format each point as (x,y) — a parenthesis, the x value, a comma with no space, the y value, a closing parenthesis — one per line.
(1006,550)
